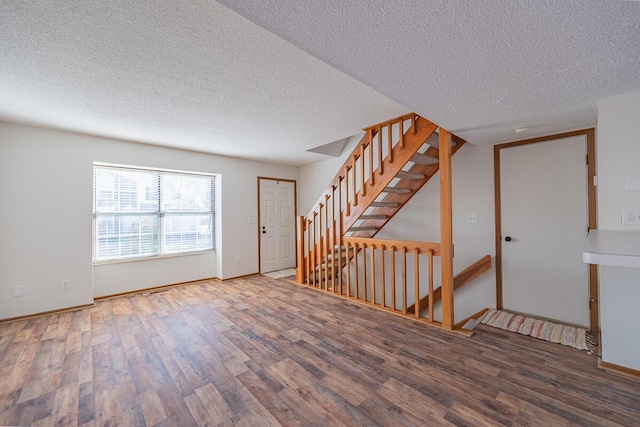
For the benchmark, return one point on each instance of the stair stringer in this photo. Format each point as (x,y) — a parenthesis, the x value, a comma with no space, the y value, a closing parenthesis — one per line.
(413,140)
(402,199)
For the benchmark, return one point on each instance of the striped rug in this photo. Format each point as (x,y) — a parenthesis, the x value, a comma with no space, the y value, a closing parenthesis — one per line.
(541,329)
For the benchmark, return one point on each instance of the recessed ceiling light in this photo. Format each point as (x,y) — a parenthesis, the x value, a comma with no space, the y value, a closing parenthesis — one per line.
(521,129)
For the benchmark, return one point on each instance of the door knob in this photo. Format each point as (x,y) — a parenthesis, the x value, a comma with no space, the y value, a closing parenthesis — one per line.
(507,239)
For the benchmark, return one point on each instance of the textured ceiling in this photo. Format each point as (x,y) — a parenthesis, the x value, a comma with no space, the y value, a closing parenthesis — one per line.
(199,76)
(187,74)
(477,67)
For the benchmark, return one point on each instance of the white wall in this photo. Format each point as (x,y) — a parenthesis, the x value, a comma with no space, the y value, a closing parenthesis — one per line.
(45,218)
(420,218)
(618,155)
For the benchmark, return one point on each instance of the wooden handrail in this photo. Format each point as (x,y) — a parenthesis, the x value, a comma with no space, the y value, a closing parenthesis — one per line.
(460,279)
(423,247)
(409,116)
(473,271)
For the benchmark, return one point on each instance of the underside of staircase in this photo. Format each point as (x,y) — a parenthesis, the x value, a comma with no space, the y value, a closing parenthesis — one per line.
(336,248)
(406,182)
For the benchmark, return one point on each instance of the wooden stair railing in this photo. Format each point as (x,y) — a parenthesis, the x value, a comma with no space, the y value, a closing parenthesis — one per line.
(378,274)
(383,172)
(377,159)
(387,274)
(460,279)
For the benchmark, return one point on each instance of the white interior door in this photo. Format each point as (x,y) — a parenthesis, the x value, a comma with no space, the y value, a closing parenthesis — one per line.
(277,225)
(544,215)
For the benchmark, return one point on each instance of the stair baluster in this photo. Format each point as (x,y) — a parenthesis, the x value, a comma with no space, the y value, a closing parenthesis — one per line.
(373,148)
(389,147)
(416,280)
(356,272)
(393,277)
(404,280)
(430,260)
(372,266)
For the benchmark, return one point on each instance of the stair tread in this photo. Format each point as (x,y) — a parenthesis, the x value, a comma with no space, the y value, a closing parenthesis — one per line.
(332,262)
(397,190)
(331,258)
(322,278)
(385,204)
(320,270)
(434,141)
(339,250)
(363,228)
(423,159)
(373,216)
(409,175)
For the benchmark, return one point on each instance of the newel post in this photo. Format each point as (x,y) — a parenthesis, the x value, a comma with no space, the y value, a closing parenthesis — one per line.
(446,233)
(300,268)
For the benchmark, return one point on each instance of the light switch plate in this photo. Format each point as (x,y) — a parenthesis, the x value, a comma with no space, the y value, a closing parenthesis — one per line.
(632,183)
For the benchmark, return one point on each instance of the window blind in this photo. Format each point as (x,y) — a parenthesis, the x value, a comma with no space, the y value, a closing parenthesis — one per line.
(142,213)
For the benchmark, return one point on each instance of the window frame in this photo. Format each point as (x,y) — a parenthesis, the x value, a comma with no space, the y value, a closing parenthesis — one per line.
(160,213)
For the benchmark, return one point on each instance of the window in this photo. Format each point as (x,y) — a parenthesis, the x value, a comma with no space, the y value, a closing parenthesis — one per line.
(141,213)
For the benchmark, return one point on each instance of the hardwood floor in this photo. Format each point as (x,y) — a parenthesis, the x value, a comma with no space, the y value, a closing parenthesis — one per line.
(261,351)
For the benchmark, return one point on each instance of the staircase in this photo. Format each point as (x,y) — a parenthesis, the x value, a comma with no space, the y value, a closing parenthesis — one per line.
(406,182)
(336,248)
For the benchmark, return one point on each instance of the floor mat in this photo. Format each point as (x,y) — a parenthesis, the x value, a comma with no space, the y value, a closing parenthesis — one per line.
(280,274)
(541,329)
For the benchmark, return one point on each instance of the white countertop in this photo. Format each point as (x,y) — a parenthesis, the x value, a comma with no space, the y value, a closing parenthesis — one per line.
(620,248)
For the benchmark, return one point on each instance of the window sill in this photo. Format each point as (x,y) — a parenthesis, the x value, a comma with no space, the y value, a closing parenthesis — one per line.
(151,258)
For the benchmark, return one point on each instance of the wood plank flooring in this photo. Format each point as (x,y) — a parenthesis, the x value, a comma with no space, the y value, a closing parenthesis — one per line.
(266,352)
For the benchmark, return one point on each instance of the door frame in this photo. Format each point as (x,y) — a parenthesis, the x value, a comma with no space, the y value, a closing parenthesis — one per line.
(589,135)
(295,215)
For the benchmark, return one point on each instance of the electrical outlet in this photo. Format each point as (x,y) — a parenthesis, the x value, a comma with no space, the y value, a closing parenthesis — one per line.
(17,291)
(237,261)
(630,216)
(64,284)
(472,218)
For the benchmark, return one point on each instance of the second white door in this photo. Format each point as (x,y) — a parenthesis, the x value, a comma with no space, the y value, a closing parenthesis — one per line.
(277,225)
(544,228)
